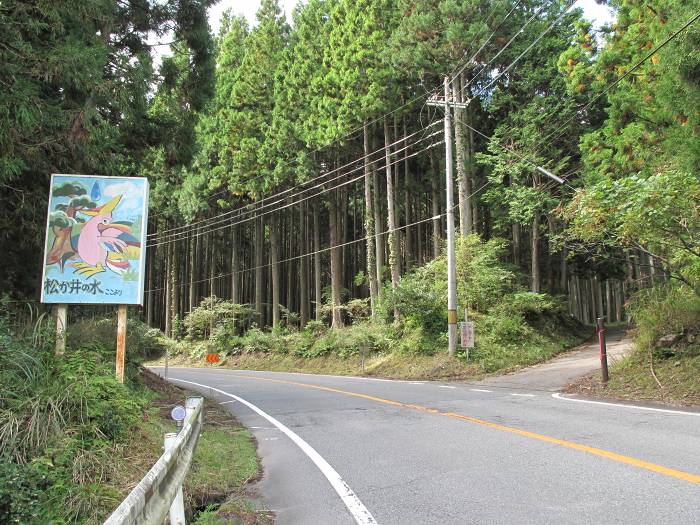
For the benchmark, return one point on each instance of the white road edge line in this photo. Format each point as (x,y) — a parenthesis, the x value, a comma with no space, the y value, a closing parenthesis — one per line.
(524,395)
(480,390)
(352,502)
(224,402)
(446,386)
(664,410)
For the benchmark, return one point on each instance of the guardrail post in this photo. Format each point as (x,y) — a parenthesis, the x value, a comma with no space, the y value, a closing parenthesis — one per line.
(191,404)
(177,507)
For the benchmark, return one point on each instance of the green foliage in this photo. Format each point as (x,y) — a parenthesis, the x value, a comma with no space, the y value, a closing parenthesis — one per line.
(142,341)
(215,316)
(77,79)
(61,418)
(641,152)
(664,310)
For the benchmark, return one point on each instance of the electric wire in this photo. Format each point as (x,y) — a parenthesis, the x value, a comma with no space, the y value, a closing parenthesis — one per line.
(359,128)
(324,190)
(569,5)
(627,73)
(260,202)
(322,250)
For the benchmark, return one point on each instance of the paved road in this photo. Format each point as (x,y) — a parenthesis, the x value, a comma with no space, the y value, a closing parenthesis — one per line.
(344,450)
(556,373)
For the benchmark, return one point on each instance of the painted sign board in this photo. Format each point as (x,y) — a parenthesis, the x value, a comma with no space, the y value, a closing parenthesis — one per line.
(466,329)
(95,240)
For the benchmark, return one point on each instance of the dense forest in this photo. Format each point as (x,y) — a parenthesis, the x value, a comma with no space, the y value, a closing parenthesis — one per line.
(298,167)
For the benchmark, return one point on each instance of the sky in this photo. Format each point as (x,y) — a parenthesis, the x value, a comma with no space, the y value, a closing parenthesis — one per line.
(598,13)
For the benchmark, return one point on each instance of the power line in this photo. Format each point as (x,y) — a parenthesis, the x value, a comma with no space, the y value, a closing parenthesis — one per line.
(371,122)
(569,5)
(454,74)
(512,39)
(628,73)
(325,190)
(322,250)
(278,194)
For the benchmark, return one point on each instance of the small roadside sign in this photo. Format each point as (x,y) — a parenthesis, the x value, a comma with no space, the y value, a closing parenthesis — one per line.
(466,330)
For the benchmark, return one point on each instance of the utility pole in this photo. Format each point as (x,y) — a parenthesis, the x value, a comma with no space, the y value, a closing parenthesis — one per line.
(451,267)
(447,103)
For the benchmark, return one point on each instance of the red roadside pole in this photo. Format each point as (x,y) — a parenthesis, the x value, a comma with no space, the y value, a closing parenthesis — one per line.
(603,349)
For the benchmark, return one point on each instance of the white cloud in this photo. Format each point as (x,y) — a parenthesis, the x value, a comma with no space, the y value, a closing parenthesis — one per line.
(121,188)
(131,193)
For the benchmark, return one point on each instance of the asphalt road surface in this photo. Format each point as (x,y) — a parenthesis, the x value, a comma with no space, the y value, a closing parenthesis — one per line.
(358,450)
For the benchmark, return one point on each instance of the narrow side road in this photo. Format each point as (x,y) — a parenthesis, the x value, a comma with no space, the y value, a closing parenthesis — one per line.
(556,373)
(414,452)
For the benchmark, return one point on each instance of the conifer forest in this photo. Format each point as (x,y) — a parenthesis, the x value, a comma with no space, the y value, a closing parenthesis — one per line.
(298,166)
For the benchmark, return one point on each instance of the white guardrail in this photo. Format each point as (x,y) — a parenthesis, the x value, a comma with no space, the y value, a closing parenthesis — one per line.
(160,491)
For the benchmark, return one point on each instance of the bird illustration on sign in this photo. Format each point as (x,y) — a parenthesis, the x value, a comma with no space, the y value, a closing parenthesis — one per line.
(86,237)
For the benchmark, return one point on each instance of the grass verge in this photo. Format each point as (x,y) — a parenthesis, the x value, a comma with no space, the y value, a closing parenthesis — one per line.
(389,352)
(224,464)
(665,365)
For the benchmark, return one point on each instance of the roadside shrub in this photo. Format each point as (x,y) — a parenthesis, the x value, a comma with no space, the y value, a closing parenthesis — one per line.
(255,340)
(664,310)
(61,418)
(352,340)
(142,341)
(420,298)
(483,280)
(211,312)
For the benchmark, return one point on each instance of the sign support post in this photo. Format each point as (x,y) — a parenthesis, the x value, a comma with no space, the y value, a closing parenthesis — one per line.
(61,319)
(121,342)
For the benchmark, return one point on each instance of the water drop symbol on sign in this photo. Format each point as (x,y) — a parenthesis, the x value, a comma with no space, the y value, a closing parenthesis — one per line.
(96,193)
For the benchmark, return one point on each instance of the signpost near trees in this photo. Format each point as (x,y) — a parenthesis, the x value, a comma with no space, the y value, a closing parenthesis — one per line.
(95,248)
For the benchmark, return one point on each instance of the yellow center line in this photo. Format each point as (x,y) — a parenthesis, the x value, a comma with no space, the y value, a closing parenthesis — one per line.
(653,467)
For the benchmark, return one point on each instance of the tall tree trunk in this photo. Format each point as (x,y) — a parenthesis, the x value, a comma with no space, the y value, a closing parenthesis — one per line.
(563,268)
(336,262)
(168,288)
(598,296)
(619,300)
(174,285)
(408,232)
(535,279)
(609,302)
(235,264)
(379,236)
(517,242)
(419,230)
(395,192)
(212,265)
(259,239)
(317,260)
(393,261)
(435,191)
(369,226)
(303,272)
(151,286)
(274,262)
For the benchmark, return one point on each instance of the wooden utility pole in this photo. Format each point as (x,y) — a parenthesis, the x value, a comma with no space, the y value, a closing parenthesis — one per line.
(121,342)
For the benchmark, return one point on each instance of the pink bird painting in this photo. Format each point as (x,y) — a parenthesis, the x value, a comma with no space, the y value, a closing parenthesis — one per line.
(102,242)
